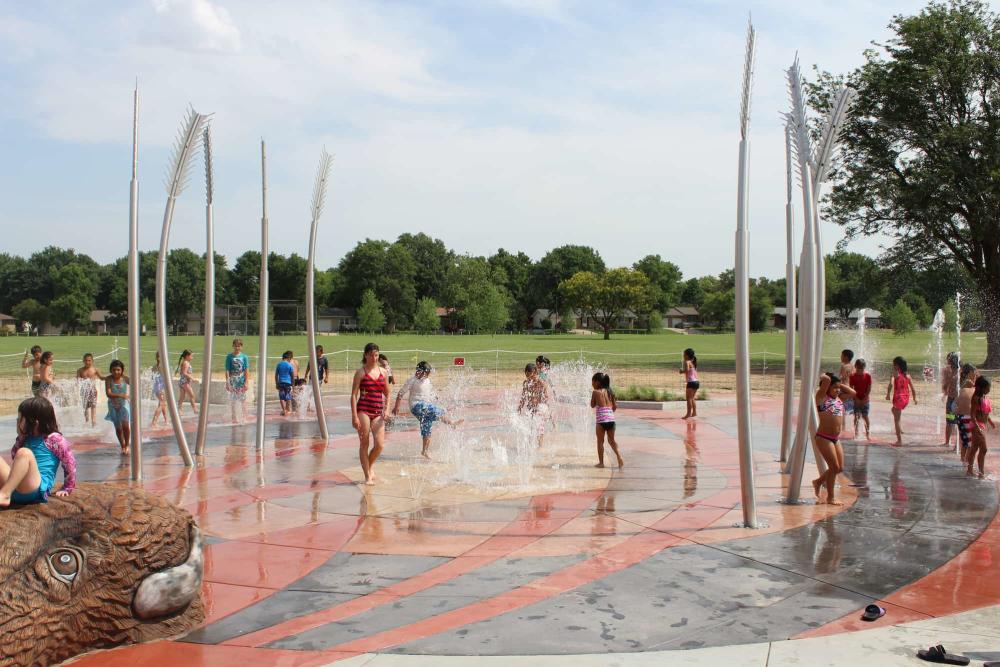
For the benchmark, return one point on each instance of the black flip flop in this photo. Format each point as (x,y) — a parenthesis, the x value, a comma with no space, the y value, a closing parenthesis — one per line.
(873,612)
(939,655)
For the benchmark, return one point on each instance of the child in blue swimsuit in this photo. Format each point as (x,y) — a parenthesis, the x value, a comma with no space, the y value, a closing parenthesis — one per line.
(38,452)
(116,386)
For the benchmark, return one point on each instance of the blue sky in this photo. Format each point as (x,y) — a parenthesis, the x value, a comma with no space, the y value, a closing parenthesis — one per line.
(487,123)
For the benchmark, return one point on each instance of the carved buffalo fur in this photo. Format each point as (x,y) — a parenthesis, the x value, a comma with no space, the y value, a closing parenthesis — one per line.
(70,568)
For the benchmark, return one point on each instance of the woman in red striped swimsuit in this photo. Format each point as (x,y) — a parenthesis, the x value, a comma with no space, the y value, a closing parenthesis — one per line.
(369,398)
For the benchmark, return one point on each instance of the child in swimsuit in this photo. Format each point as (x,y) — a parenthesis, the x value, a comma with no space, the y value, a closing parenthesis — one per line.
(238,380)
(158,392)
(86,375)
(116,386)
(981,409)
(369,398)
(48,379)
(949,388)
(691,382)
(184,381)
(899,392)
(603,401)
(535,399)
(861,382)
(963,409)
(422,404)
(831,423)
(846,370)
(34,362)
(38,452)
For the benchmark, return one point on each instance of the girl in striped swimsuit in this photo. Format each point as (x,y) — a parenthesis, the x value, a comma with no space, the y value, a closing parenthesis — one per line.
(603,401)
(369,398)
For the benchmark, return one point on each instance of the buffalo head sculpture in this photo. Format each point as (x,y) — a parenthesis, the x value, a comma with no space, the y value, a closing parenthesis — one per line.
(104,566)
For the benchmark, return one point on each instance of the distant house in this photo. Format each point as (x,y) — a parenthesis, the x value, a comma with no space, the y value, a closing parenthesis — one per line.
(779,317)
(542,314)
(680,317)
(99,321)
(7,323)
(446,316)
(873,318)
(627,320)
(330,320)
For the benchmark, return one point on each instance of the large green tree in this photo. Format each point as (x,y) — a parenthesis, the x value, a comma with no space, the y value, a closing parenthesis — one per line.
(921,158)
(370,316)
(517,269)
(387,269)
(431,259)
(76,290)
(556,266)
(605,297)
(665,278)
(852,281)
(718,308)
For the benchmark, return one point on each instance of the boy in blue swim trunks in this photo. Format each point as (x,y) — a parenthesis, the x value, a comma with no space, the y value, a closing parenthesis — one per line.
(284,378)
(422,405)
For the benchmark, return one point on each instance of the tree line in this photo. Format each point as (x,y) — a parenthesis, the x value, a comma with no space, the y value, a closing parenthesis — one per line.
(401,285)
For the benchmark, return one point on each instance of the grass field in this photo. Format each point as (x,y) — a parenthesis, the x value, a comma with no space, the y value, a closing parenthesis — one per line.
(503,351)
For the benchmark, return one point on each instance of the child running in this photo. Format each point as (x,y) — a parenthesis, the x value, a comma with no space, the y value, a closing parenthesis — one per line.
(185,376)
(949,389)
(899,391)
(535,397)
(86,375)
(158,392)
(861,382)
(369,400)
(48,380)
(981,409)
(34,362)
(422,404)
(38,452)
(116,386)
(689,369)
(237,380)
(831,423)
(284,378)
(603,401)
(963,408)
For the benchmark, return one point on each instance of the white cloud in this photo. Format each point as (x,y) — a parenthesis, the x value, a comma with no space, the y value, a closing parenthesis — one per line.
(197,24)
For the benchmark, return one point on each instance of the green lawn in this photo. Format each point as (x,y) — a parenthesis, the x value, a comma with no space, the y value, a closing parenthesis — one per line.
(482,351)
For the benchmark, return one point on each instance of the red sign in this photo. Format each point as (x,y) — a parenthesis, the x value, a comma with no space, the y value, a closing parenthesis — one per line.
(459,361)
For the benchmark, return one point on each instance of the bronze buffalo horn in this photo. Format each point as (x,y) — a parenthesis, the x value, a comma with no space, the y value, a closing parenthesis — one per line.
(172,590)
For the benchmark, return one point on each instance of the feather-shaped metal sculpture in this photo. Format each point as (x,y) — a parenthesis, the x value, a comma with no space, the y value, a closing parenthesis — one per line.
(134,324)
(318,199)
(208,313)
(744,430)
(188,140)
(790,300)
(823,153)
(262,307)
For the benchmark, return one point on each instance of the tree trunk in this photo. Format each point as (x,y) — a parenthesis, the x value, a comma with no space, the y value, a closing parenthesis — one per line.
(991,317)
(607,332)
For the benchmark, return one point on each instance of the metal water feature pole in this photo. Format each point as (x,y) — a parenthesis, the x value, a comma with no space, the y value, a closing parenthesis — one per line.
(208,314)
(134,324)
(319,194)
(790,302)
(262,316)
(185,146)
(748,493)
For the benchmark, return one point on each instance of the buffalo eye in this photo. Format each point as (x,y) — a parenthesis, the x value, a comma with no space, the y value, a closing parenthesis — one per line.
(65,564)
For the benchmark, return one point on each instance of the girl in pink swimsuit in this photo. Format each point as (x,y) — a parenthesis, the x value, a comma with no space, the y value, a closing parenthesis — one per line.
(604,404)
(899,391)
(831,423)
(981,409)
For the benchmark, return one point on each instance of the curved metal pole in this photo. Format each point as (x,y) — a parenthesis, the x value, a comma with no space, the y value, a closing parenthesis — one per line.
(134,344)
(262,314)
(790,304)
(209,311)
(319,193)
(748,492)
(185,146)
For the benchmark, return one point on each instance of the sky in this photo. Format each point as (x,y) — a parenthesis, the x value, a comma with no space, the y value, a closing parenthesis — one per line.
(522,124)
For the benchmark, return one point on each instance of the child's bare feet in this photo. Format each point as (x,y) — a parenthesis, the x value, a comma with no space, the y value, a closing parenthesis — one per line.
(599,465)
(4,500)
(370,482)
(425,455)
(835,502)
(621,462)
(817,485)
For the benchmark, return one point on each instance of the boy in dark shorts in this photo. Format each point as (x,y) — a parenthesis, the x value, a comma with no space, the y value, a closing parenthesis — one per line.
(861,382)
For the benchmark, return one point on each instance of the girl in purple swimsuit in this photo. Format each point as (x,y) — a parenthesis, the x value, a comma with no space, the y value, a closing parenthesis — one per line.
(831,423)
